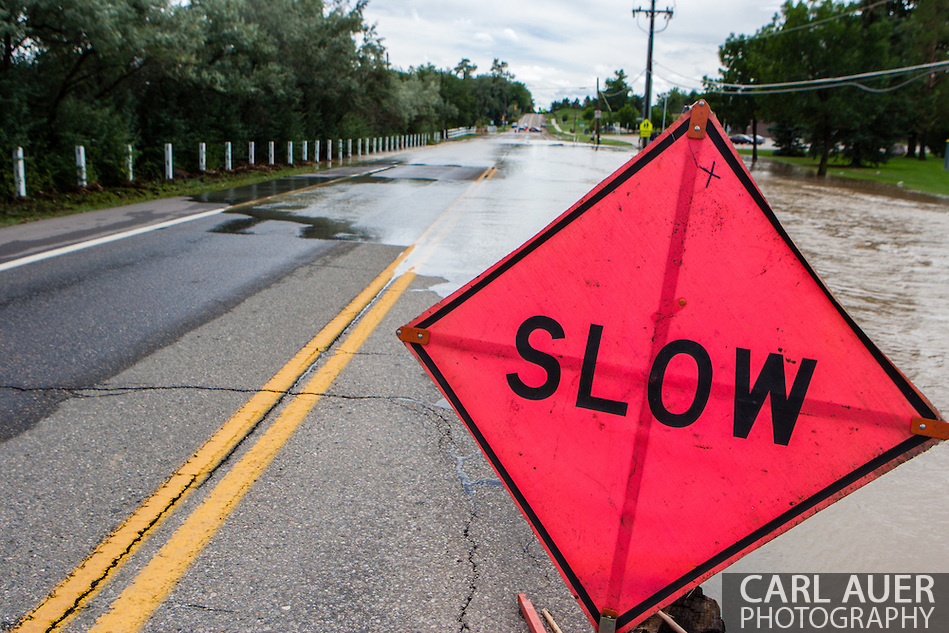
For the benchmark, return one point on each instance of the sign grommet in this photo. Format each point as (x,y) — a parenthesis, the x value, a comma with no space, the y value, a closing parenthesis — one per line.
(408,334)
(938,429)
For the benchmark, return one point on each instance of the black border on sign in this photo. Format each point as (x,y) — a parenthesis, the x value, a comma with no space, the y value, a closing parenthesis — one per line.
(804,507)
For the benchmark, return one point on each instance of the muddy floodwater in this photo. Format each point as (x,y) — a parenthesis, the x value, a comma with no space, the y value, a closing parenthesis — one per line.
(882,252)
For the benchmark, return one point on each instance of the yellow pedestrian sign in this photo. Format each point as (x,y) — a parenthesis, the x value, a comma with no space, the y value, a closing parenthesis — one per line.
(645,129)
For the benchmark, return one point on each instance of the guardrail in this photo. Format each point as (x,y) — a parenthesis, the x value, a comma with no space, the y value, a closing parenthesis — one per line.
(344,149)
(458,132)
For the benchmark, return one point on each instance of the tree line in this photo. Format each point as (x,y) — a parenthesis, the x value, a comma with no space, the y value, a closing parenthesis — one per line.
(106,74)
(861,118)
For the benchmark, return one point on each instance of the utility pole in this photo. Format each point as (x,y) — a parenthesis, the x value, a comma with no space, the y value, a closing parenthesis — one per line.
(651,12)
(598,112)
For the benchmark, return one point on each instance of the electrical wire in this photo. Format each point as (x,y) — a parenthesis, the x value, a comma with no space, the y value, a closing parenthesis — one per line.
(810,25)
(814,84)
(852,84)
(676,72)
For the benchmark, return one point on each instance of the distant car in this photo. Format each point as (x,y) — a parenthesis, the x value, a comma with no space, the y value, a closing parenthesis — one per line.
(744,139)
(534,129)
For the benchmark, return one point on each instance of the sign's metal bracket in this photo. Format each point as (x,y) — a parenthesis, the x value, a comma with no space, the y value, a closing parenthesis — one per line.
(938,429)
(408,334)
(698,119)
(608,620)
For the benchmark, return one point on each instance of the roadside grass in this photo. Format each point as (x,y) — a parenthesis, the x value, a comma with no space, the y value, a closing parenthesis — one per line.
(54,204)
(926,176)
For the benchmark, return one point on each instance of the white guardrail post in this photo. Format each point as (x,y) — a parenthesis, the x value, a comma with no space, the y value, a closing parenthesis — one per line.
(169,162)
(19,173)
(81,166)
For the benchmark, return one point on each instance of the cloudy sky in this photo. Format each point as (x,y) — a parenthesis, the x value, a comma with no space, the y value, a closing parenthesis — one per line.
(558,48)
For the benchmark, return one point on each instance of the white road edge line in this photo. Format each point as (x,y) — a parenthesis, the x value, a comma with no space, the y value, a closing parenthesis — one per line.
(72,248)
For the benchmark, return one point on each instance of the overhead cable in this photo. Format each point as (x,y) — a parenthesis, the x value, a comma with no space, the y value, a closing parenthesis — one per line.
(761,36)
(829,82)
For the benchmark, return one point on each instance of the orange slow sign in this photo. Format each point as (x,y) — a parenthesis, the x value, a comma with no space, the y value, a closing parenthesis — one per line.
(661,380)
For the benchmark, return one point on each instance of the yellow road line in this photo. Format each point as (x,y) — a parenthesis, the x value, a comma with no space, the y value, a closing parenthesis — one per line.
(82,583)
(155,582)
(443,224)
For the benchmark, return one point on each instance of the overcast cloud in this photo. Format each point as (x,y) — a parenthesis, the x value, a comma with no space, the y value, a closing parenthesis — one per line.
(559,48)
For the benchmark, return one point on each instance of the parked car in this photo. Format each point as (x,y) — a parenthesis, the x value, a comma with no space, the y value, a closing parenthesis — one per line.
(744,139)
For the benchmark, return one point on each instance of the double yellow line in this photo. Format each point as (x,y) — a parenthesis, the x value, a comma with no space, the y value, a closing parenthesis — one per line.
(66,598)
(154,583)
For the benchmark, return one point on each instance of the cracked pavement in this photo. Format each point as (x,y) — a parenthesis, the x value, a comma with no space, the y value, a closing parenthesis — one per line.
(380,513)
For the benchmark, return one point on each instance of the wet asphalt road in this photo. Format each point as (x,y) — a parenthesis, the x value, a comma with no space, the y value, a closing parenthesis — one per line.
(379,513)
(122,359)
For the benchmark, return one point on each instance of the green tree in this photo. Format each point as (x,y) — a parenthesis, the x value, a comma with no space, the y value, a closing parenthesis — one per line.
(627,116)
(820,40)
(736,110)
(465,69)
(925,39)
(68,73)
(671,104)
(616,94)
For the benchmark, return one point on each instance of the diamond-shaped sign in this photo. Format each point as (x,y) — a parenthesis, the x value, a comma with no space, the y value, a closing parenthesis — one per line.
(661,380)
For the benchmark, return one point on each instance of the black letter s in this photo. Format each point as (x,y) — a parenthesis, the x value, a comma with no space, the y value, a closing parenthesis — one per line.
(542,359)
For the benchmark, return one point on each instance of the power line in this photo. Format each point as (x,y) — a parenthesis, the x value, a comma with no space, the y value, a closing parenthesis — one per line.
(815,84)
(676,72)
(810,25)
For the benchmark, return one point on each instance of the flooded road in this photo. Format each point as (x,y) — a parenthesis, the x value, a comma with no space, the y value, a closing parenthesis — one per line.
(885,257)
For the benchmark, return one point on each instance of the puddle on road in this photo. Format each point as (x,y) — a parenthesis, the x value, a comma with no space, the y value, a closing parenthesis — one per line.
(249,193)
(317,228)
(367,202)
